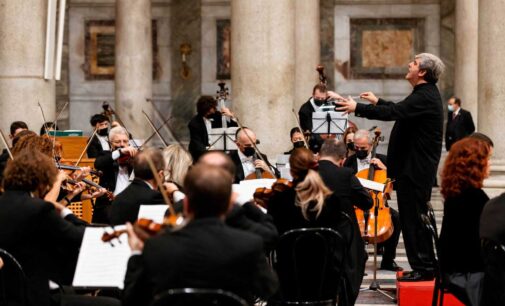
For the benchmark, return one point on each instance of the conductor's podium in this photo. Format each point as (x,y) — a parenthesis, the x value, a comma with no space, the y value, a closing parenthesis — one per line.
(420,294)
(73,146)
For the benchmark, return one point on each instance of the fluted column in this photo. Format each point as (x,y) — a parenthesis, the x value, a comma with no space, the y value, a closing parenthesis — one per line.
(491,76)
(466,61)
(263,69)
(134,60)
(307,49)
(22,52)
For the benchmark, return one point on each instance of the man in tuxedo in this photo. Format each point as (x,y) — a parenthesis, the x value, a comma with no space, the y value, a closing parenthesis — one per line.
(100,142)
(246,158)
(142,190)
(207,118)
(206,253)
(360,161)
(116,166)
(459,123)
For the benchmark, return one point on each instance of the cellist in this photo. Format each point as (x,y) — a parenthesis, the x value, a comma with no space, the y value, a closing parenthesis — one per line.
(362,160)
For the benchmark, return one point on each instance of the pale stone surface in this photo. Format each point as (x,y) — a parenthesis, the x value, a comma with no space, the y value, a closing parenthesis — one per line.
(22,50)
(263,72)
(490,76)
(466,55)
(308,49)
(133,79)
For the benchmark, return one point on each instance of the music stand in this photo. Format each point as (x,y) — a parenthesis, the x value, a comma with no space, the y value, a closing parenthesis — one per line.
(329,122)
(223,139)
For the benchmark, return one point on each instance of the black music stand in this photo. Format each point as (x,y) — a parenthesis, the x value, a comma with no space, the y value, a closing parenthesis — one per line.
(329,122)
(223,139)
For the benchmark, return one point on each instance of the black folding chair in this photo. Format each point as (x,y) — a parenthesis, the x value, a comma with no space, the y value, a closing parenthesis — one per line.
(309,263)
(12,281)
(494,273)
(197,297)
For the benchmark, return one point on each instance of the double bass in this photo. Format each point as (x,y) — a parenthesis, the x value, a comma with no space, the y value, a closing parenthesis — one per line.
(367,219)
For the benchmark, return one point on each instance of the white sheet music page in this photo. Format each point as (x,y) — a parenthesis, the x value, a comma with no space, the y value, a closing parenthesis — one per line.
(372,185)
(153,212)
(102,264)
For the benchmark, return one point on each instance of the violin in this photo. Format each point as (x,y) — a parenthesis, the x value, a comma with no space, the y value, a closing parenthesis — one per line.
(366,220)
(146,228)
(263,195)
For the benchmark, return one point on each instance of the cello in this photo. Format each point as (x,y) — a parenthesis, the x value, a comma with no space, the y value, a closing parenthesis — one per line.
(366,220)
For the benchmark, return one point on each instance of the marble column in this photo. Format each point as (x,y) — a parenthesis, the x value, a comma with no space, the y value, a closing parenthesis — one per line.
(491,76)
(307,49)
(22,52)
(263,69)
(134,58)
(466,59)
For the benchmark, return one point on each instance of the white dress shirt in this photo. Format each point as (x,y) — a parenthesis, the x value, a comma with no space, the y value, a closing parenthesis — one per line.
(364,163)
(247,163)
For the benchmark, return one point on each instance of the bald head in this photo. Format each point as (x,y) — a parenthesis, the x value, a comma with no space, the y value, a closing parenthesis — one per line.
(218,159)
(245,138)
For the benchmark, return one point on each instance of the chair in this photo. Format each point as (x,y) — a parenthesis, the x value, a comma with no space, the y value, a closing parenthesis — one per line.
(494,273)
(197,297)
(12,280)
(309,263)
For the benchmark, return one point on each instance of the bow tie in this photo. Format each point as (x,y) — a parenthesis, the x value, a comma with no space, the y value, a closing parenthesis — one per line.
(246,159)
(365,161)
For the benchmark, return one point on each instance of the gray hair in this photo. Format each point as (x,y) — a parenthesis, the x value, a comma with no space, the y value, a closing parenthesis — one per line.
(433,66)
(363,134)
(118,130)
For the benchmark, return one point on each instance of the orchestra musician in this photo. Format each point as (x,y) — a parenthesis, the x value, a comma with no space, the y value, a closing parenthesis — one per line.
(99,142)
(177,163)
(116,166)
(297,140)
(414,151)
(207,118)
(205,253)
(362,160)
(245,158)
(15,128)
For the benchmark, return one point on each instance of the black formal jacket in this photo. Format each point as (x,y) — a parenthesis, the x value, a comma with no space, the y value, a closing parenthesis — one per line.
(492,220)
(415,143)
(460,249)
(239,171)
(352,161)
(205,253)
(95,147)
(305,115)
(198,137)
(458,128)
(45,244)
(126,205)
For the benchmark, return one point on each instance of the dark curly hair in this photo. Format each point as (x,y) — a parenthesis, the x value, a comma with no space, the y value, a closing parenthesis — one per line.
(29,171)
(465,167)
(204,104)
(33,142)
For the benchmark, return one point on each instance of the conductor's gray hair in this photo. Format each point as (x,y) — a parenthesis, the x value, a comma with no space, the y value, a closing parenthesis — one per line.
(360,134)
(433,66)
(118,130)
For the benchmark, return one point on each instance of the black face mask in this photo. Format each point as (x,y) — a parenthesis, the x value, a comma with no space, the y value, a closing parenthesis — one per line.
(103,132)
(319,102)
(361,154)
(249,151)
(350,146)
(298,144)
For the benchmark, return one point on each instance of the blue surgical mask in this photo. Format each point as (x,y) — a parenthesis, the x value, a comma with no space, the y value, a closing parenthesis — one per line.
(450,108)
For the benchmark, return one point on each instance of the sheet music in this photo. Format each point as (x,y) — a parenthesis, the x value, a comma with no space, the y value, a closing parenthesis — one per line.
(372,185)
(100,264)
(246,188)
(153,212)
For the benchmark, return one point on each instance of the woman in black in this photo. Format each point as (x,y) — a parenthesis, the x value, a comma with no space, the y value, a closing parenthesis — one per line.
(465,169)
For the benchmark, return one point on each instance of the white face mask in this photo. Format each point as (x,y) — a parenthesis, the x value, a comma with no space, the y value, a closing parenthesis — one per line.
(450,108)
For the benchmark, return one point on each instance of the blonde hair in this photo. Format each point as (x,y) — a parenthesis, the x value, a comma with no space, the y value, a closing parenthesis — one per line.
(311,191)
(177,163)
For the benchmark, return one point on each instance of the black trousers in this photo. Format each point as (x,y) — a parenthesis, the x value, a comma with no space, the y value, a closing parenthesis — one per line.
(390,245)
(412,202)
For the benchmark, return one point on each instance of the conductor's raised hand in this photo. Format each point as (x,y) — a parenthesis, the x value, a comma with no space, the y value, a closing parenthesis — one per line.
(369,96)
(346,105)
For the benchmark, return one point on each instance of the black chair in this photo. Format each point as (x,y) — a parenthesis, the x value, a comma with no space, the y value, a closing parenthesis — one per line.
(12,280)
(197,297)
(309,263)
(494,273)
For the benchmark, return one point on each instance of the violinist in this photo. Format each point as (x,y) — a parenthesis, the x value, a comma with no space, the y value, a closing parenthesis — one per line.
(207,118)
(205,253)
(15,128)
(296,137)
(245,158)
(100,142)
(116,167)
(48,127)
(362,160)
(142,190)
(348,138)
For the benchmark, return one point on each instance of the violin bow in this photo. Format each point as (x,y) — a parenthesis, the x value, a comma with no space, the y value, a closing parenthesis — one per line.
(130,136)
(300,127)
(86,147)
(4,140)
(161,117)
(260,155)
(154,128)
(157,130)
(160,185)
